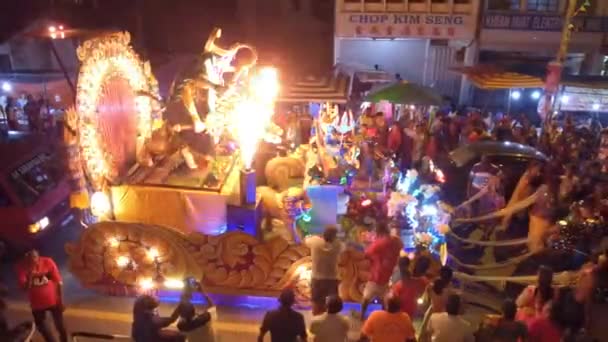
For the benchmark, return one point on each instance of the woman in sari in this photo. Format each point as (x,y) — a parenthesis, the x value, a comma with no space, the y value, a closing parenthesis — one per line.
(533,298)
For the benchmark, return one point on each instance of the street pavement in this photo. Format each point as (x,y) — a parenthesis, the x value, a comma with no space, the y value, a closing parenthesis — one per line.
(90,312)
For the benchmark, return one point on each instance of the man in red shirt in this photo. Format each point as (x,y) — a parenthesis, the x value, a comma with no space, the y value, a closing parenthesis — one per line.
(383,254)
(40,277)
(409,288)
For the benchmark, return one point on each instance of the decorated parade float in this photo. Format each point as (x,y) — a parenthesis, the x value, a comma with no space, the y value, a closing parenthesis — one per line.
(168,188)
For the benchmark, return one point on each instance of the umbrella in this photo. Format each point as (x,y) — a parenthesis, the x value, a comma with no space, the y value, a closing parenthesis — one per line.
(464,154)
(406,93)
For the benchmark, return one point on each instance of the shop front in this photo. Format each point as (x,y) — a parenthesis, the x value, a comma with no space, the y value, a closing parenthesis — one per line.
(418,46)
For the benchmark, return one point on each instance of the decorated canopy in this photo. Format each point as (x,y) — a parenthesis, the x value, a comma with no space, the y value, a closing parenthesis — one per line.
(496,77)
(316,89)
(406,93)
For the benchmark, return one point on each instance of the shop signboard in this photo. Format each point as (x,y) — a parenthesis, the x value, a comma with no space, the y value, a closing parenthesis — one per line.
(578,99)
(540,22)
(405,25)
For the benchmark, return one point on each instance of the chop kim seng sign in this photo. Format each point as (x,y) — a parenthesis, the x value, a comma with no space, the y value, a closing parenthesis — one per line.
(405,25)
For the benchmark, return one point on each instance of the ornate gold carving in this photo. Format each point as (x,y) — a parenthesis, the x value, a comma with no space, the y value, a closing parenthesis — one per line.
(232,263)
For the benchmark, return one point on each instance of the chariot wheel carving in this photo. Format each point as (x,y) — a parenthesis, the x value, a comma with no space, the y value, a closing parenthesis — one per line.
(113,120)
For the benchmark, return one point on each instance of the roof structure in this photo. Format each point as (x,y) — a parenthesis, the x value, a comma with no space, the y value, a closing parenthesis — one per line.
(316,89)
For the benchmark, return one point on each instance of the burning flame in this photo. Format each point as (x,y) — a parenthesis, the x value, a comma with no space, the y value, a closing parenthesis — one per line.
(253,115)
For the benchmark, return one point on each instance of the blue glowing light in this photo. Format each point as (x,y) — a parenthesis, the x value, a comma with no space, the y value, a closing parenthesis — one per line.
(306,217)
(429,210)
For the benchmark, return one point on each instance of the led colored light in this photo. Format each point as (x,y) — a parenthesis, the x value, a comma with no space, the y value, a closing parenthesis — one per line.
(429,210)
(34,228)
(113,242)
(174,284)
(515,95)
(146,284)
(44,222)
(366,203)
(535,95)
(7,86)
(596,106)
(122,261)
(153,253)
(304,272)
(100,204)
(306,218)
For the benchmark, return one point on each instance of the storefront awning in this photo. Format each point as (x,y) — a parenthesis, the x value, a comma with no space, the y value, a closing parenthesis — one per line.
(315,89)
(493,77)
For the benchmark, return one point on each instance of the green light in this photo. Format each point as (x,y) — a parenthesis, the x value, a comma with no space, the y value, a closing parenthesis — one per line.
(306,218)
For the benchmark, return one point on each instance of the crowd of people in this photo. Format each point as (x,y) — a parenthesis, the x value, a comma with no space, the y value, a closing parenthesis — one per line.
(570,182)
(28,113)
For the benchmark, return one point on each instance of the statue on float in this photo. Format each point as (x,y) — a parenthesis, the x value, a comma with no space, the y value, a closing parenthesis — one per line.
(199,101)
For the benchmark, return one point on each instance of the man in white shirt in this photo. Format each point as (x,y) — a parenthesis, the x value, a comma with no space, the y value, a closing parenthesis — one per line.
(449,326)
(325,252)
(330,326)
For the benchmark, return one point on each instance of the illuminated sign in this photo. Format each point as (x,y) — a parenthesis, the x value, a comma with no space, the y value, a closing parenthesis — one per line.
(405,25)
(584,100)
(535,22)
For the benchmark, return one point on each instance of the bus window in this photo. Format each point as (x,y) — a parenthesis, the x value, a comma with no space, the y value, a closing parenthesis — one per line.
(34,178)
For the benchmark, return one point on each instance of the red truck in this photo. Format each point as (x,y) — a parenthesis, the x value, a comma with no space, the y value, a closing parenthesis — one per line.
(34,191)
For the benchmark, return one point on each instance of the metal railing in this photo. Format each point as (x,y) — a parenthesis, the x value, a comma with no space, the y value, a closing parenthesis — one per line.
(83,336)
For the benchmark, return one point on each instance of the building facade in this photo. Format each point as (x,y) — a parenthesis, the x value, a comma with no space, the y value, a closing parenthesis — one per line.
(24,52)
(417,39)
(529,32)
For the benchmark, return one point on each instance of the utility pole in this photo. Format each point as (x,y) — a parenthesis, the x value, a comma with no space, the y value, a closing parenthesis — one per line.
(554,69)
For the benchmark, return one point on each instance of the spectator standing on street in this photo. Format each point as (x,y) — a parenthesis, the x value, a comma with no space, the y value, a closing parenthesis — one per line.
(331,326)
(383,254)
(389,325)
(508,329)
(32,111)
(441,289)
(284,324)
(324,276)
(11,114)
(480,176)
(40,277)
(533,298)
(449,326)
(409,288)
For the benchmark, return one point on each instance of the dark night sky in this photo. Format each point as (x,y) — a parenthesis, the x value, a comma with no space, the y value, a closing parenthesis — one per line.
(178,26)
(167,23)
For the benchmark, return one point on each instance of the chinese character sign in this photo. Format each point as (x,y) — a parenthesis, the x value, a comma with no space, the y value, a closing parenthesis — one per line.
(405,25)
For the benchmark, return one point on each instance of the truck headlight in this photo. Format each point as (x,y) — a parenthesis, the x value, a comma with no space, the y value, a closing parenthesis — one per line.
(40,225)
